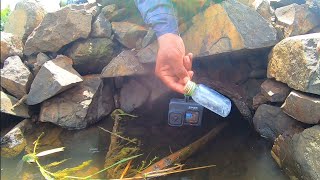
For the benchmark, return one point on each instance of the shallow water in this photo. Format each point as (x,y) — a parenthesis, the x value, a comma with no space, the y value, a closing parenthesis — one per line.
(238,153)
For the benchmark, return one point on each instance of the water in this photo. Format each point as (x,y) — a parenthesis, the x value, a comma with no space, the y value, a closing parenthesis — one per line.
(238,153)
(212,100)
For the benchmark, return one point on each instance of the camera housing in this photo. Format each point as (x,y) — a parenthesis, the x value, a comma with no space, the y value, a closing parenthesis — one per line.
(184,112)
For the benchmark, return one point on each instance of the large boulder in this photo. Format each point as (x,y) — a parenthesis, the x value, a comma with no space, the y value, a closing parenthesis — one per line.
(71,23)
(7,102)
(270,122)
(91,55)
(80,106)
(125,64)
(296,19)
(302,107)
(264,9)
(227,27)
(128,34)
(133,95)
(14,142)
(16,78)
(297,153)
(26,16)
(295,61)
(10,46)
(274,91)
(101,27)
(55,76)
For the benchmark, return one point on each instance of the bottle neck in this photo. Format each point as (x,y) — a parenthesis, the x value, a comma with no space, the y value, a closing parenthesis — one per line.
(189,88)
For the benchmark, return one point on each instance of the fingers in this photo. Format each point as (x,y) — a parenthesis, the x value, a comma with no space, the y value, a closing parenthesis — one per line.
(187,63)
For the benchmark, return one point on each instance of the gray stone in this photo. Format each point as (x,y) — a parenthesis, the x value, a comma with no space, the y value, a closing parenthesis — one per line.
(7,102)
(101,27)
(128,34)
(133,95)
(148,54)
(54,77)
(296,19)
(114,14)
(80,106)
(91,55)
(303,107)
(10,46)
(16,78)
(274,91)
(70,24)
(27,15)
(40,60)
(270,122)
(227,27)
(126,64)
(299,67)
(264,9)
(280,3)
(258,100)
(14,142)
(149,38)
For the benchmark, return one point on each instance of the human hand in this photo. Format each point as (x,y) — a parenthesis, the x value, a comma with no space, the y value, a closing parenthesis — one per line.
(172,66)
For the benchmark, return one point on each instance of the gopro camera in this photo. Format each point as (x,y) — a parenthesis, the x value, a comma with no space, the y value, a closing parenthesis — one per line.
(184,112)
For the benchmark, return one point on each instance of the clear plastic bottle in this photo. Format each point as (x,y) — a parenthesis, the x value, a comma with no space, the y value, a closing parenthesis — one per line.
(208,98)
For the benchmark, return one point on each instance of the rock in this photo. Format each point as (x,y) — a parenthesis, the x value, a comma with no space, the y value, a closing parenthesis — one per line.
(258,74)
(128,34)
(80,106)
(25,17)
(133,95)
(54,77)
(10,46)
(14,142)
(91,8)
(148,54)
(296,19)
(149,38)
(258,100)
(227,27)
(295,61)
(302,107)
(125,64)
(70,24)
(8,101)
(101,27)
(274,91)
(280,3)
(270,122)
(16,77)
(314,6)
(91,55)
(40,60)
(112,13)
(297,153)
(264,9)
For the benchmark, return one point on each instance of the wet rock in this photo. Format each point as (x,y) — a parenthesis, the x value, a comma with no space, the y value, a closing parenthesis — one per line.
(16,77)
(280,3)
(270,122)
(149,38)
(228,27)
(264,9)
(296,19)
(125,64)
(8,101)
(112,13)
(40,60)
(295,61)
(258,100)
(302,107)
(148,54)
(258,74)
(274,91)
(70,24)
(101,27)
(128,34)
(80,106)
(297,153)
(133,95)
(91,55)
(54,77)
(14,142)
(25,17)
(10,46)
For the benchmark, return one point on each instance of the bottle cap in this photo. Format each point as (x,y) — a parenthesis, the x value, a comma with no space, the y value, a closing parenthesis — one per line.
(189,88)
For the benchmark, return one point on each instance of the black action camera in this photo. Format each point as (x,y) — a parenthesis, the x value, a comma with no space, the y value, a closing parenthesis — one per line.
(184,112)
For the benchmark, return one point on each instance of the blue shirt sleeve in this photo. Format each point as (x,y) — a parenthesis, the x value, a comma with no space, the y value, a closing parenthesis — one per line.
(160,15)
